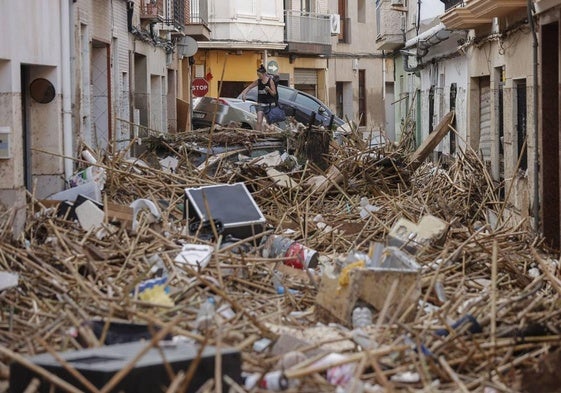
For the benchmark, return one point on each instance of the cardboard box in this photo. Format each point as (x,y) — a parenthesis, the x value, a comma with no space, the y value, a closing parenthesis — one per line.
(372,286)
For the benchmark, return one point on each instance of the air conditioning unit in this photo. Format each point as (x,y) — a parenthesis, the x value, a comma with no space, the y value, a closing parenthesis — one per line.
(335,24)
(396,2)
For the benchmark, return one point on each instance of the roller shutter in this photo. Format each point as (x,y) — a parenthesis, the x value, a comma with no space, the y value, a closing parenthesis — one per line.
(305,76)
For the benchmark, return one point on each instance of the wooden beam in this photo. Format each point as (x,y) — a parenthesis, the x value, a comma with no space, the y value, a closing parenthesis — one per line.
(431,142)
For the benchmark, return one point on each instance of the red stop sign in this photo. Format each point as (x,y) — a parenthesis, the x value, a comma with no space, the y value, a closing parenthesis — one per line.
(199,87)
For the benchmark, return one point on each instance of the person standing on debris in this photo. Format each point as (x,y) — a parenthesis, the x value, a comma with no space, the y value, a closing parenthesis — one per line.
(266,93)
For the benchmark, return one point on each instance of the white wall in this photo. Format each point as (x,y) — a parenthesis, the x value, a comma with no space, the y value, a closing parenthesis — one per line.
(242,20)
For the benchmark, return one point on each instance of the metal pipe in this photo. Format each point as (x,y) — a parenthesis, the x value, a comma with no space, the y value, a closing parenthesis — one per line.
(535,206)
(65,27)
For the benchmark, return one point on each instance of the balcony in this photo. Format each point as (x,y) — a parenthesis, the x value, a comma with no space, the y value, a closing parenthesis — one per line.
(390,22)
(471,14)
(196,24)
(174,16)
(151,11)
(307,33)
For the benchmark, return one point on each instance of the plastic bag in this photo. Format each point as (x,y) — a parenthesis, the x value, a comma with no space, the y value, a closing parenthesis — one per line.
(275,115)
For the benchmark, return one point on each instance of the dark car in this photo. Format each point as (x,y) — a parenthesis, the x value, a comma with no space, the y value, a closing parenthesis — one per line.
(301,105)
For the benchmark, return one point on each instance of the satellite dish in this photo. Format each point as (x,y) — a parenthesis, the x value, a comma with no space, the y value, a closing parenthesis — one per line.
(187,47)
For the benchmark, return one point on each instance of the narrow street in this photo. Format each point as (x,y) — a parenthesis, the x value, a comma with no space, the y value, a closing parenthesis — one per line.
(468,307)
(348,196)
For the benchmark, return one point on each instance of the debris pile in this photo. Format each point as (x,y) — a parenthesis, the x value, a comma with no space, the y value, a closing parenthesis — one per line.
(368,275)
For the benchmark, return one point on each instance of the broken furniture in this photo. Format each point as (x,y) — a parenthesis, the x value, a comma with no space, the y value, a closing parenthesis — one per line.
(149,374)
(230,204)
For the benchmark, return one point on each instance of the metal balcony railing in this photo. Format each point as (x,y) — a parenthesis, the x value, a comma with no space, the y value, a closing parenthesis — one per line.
(175,14)
(306,27)
(452,3)
(197,12)
(150,10)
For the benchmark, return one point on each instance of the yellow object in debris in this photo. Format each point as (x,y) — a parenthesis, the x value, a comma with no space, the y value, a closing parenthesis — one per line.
(156,295)
(344,276)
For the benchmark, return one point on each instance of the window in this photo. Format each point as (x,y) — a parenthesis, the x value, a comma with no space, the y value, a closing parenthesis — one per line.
(362,96)
(361,11)
(269,9)
(344,34)
(246,7)
(431,109)
(453,95)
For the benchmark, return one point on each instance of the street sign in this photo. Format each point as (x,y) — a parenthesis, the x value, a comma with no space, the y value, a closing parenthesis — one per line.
(187,47)
(272,67)
(199,87)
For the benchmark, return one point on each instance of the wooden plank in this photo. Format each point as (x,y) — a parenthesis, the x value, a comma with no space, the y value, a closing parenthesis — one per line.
(431,142)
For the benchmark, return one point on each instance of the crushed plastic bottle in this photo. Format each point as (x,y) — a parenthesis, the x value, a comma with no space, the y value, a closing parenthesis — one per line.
(362,316)
(277,284)
(205,315)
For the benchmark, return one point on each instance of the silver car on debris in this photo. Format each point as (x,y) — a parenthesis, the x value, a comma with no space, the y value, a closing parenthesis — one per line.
(209,109)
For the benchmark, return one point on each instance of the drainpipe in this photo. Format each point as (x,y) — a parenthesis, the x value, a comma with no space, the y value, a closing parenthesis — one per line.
(65,28)
(535,207)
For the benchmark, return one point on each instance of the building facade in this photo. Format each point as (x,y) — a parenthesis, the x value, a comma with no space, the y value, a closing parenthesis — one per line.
(316,46)
(495,63)
(356,68)
(98,73)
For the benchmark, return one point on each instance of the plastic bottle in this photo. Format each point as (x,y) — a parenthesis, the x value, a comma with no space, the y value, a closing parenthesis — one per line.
(277,283)
(88,156)
(205,315)
(274,381)
(362,316)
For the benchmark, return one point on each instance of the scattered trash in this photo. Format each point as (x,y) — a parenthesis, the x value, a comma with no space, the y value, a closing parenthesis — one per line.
(231,204)
(337,375)
(262,345)
(90,174)
(474,326)
(351,281)
(169,164)
(155,291)
(407,235)
(406,377)
(362,316)
(90,190)
(89,215)
(366,208)
(144,205)
(294,253)
(205,315)
(196,255)
(8,280)
(274,381)
(278,285)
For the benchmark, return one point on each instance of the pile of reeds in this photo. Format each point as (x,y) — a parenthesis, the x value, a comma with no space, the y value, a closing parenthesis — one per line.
(494,276)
